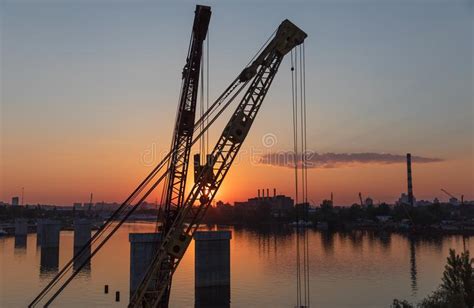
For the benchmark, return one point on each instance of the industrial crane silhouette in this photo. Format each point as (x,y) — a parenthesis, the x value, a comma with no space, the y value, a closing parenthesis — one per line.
(450,195)
(182,216)
(211,175)
(183,133)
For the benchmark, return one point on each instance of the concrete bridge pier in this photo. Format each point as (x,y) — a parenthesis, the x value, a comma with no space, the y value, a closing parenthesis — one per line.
(212,268)
(142,249)
(21,227)
(39,230)
(49,261)
(21,233)
(212,297)
(20,243)
(212,258)
(50,230)
(82,235)
(50,233)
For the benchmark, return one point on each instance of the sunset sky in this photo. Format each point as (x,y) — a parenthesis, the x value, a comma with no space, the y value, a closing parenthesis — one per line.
(89,91)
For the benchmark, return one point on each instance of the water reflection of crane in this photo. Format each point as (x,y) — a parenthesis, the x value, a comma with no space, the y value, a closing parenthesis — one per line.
(413,271)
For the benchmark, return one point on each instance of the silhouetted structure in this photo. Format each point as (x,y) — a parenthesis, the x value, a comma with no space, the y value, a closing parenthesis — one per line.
(49,260)
(409,180)
(142,249)
(212,268)
(413,271)
(212,297)
(212,258)
(20,243)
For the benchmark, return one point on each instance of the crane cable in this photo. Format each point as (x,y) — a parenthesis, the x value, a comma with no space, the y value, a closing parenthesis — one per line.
(294,80)
(298,90)
(207,85)
(305,171)
(202,140)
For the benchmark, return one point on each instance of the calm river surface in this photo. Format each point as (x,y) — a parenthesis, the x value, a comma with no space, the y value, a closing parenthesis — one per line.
(358,269)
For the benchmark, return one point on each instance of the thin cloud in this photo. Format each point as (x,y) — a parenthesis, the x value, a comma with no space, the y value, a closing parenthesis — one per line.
(333,160)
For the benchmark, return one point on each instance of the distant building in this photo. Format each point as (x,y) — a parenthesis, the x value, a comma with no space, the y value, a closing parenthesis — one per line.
(77,205)
(15,201)
(279,205)
(405,200)
(424,203)
(103,206)
(453,201)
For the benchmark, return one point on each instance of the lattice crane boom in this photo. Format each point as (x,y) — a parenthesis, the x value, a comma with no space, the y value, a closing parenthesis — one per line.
(184,126)
(175,242)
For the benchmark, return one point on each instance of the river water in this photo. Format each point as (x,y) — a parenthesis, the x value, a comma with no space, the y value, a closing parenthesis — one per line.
(357,269)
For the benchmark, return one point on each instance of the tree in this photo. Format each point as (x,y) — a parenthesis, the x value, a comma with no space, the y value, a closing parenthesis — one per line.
(401,304)
(457,288)
(458,278)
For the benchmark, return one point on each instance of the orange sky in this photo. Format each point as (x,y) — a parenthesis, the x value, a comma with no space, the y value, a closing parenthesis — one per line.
(67,174)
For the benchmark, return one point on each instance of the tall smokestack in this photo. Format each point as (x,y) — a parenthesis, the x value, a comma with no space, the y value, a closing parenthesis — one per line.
(259,194)
(274,192)
(263,193)
(410,186)
(268,193)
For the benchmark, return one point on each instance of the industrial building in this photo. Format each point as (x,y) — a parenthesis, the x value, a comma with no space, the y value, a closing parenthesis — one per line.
(278,205)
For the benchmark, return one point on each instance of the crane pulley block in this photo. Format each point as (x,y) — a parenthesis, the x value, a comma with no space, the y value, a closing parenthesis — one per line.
(237,129)
(206,169)
(289,36)
(177,245)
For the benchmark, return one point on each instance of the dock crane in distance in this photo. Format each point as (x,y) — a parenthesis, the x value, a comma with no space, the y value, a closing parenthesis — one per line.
(174,243)
(89,208)
(360,198)
(453,197)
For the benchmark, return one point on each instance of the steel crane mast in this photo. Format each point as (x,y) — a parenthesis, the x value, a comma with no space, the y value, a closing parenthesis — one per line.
(184,126)
(174,243)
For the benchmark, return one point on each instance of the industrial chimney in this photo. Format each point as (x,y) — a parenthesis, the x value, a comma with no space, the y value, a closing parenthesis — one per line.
(259,194)
(274,192)
(268,193)
(410,186)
